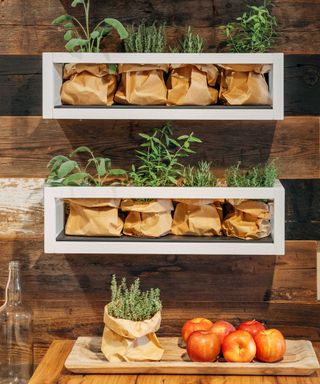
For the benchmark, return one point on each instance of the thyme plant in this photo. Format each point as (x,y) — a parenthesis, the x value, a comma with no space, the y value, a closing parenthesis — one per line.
(144,38)
(160,156)
(199,176)
(254,31)
(191,43)
(80,37)
(63,170)
(258,176)
(131,303)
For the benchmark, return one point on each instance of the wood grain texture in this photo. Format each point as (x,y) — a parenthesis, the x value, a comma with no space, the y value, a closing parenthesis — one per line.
(31,31)
(21,93)
(59,350)
(86,357)
(27,144)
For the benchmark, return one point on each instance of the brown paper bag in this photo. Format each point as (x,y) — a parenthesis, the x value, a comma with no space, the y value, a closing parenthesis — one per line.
(88,84)
(249,219)
(126,340)
(244,84)
(94,217)
(142,84)
(147,219)
(193,217)
(192,84)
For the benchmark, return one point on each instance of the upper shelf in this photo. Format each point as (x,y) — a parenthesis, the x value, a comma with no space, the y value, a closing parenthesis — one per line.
(52,81)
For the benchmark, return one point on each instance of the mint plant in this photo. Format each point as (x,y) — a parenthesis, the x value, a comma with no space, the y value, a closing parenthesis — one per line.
(130,303)
(160,156)
(64,171)
(81,38)
(254,31)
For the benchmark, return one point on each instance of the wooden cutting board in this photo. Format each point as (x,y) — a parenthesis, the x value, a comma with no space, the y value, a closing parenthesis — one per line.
(86,357)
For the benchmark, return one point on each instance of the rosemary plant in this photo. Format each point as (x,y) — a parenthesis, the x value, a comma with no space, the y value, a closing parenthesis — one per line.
(80,37)
(160,156)
(259,176)
(199,176)
(66,171)
(130,303)
(254,31)
(143,38)
(191,43)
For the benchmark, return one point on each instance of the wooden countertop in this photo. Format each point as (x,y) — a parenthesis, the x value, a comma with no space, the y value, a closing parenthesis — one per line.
(51,371)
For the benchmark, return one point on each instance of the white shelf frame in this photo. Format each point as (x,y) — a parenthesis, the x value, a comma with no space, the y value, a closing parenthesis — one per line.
(52,63)
(54,221)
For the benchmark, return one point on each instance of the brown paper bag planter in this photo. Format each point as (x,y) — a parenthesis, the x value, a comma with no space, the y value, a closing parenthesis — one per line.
(142,84)
(192,84)
(127,340)
(147,219)
(196,218)
(88,84)
(249,219)
(94,217)
(244,84)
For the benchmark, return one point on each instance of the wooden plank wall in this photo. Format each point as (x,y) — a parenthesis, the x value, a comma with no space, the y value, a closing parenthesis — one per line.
(68,292)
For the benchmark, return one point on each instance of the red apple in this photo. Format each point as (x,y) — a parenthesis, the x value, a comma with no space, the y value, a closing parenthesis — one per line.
(196,324)
(252,326)
(239,346)
(203,346)
(271,345)
(222,329)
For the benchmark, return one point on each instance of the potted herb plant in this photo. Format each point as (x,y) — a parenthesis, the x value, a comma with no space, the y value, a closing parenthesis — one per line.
(131,319)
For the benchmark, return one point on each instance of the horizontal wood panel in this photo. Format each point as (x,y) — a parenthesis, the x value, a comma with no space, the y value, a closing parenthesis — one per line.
(27,144)
(31,31)
(21,82)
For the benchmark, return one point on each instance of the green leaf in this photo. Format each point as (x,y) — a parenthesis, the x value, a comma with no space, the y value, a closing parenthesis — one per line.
(145,136)
(112,69)
(101,169)
(95,34)
(75,177)
(61,19)
(118,26)
(118,172)
(81,149)
(74,43)
(58,158)
(68,35)
(76,2)
(66,168)
(194,139)
(69,26)
(183,137)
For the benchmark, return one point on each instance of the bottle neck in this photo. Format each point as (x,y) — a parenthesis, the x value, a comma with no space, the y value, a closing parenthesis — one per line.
(13,288)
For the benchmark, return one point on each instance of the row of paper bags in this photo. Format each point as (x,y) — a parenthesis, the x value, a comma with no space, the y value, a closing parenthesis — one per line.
(164,84)
(245,219)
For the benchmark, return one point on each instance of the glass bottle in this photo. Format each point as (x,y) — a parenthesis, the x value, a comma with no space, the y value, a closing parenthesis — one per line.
(15,333)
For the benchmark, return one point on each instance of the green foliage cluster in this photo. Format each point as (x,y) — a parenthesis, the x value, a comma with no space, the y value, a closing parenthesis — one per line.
(191,43)
(146,38)
(254,31)
(80,37)
(64,170)
(160,156)
(258,176)
(199,176)
(130,303)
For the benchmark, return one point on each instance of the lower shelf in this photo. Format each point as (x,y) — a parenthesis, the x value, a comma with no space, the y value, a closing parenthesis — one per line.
(86,357)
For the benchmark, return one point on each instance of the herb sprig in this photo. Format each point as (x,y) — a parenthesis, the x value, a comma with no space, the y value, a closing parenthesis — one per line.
(199,176)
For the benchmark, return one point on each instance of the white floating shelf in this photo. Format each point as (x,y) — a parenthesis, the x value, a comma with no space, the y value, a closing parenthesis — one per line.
(56,242)
(52,81)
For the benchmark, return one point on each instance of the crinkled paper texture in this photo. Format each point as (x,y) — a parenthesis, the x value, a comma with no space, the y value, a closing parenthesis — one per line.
(244,84)
(142,84)
(147,219)
(126,340)
(192,84)
(248,220)
(88,84)
(94,217)
(195,217)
